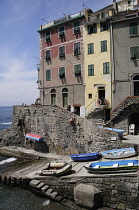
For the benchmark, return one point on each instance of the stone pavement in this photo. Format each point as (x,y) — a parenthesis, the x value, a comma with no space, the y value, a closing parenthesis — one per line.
(131,139)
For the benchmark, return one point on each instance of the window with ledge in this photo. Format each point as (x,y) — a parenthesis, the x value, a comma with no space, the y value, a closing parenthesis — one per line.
(76,29)
(77,70)
(91,70)
(134,29)
(61,32)
(91,48)
(134,52)
(92,29)
(62,72)
(47,36)
(104,26)
(104,46)
(61,51)
(48,75)
(77,48)
(106,68)
(48,57)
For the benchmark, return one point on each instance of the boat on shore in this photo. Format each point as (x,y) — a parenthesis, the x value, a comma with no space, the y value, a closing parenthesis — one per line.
(112,166)
(85,157)
(55,169)
(119,131)
(118,153)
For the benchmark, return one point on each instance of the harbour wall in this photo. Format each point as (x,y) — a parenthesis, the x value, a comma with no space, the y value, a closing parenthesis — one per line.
(117,191)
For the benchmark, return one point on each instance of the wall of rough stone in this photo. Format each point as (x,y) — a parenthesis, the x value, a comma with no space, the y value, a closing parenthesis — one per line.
(59,135)
(119,191)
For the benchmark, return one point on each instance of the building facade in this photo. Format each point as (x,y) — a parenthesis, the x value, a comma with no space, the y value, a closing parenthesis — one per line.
(61,73)
(97,44)
(126,56)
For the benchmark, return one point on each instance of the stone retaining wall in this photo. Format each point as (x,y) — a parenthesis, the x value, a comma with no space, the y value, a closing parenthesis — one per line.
(118,191)
(60,136)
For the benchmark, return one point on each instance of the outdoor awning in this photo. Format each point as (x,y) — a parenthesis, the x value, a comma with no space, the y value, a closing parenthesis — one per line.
(34,137)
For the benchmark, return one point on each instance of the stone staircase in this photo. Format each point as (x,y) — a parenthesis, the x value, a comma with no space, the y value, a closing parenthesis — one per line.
(124,105)
(43,189)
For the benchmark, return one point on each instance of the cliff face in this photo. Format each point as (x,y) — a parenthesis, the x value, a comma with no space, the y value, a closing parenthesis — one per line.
(63,131)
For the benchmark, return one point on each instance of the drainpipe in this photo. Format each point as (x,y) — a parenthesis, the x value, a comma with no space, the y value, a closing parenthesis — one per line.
(42,70)
(112,64)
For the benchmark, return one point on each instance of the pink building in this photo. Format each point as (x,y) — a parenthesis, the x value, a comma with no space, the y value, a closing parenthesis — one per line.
(61,72)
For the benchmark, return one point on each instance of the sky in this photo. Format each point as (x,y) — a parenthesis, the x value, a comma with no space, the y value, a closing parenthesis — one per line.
(19,43)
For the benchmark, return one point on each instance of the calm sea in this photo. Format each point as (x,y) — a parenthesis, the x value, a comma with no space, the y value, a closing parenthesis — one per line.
(14,198)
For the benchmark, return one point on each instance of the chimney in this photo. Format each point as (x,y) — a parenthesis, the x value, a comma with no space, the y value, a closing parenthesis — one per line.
(115,7)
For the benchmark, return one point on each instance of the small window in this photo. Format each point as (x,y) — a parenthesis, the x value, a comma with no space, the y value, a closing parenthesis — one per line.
(77,70)
(48,75)
(91,48)
(92,28)
(77,48)
(47,36)
(76,29)
(61,32)
(90,95)
(134,52)
(61,51)
(134,29)
(106,68)
(91,70)
(104,25)
(104,46)
(48,57)
(61,72)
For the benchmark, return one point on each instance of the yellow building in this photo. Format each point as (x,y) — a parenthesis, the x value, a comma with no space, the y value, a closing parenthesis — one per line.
(97,61)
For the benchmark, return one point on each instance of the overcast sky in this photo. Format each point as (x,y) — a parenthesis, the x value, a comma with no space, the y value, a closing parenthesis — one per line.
(19,43)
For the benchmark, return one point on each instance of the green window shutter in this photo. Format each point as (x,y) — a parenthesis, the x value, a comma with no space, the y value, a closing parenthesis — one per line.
(91,48)
(132,54)
(88,28)
(48,75)
(91,70)
(137,52)
(106,68)
(95,28)
(53,99)
(77,70)
(62,71)
(104,46)
(134,29)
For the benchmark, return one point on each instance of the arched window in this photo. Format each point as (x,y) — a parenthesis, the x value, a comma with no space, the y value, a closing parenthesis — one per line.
(53,97)
(65,97)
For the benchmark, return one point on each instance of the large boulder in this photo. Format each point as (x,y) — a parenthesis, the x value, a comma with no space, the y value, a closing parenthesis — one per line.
(87,196)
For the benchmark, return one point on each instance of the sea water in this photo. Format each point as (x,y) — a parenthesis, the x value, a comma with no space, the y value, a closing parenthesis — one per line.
(14,198)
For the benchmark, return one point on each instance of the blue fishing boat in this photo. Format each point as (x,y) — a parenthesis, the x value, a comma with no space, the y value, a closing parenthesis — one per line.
(112,166)
(118,153)
(119,131)
(85,157)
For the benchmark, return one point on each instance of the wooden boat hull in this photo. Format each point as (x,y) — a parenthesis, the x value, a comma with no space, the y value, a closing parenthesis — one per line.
(118,153)
(85,157)
(56,169)
(106,167)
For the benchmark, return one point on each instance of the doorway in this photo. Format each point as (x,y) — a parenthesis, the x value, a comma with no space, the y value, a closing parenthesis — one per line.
(101,94)
(134,119)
